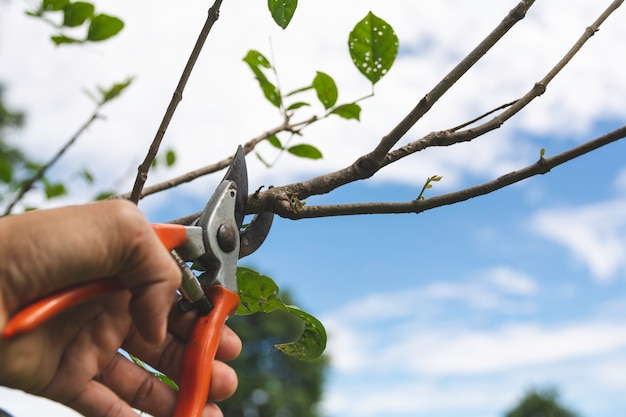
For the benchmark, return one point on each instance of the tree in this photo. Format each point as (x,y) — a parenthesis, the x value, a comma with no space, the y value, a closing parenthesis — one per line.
(289,200)
(540,403)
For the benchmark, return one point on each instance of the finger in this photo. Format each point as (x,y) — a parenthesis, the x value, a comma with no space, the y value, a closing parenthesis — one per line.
(144,391)
(180,324)
(168,359)
(97,400)
(138,387)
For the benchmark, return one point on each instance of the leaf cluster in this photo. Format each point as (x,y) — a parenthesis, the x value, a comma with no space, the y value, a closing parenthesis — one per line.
(373,47)
(98,26)
(259,293)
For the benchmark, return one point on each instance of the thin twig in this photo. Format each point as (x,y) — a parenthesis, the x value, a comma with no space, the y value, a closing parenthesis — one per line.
(28,184)
(142,171)
(218,166)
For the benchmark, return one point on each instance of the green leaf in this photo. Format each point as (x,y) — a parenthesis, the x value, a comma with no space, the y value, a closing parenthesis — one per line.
(6,171)
(299,90)
(255,58)
(275,142)
(103,27)
(263,161)
(373,47)
(311,344)
(87,176)
(259,293)
(55,190)
(348,111)
(54,5)
(270,92)
(297,105)
(76,14)
(282,11)
(104,195)
(64,40)
(326,89)
(305,151)
(170,158)
(114,91)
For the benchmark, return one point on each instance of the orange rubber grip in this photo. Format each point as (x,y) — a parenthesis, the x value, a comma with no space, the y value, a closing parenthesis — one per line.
(200,351)
(27,319)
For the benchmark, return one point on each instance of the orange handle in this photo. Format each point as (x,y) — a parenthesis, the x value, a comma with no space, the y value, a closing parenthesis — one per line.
(200,352)
(171,235)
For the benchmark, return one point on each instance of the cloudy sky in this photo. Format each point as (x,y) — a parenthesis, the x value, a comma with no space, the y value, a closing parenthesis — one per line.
(451,313)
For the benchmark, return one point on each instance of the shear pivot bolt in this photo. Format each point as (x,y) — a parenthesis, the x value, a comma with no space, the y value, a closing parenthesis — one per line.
(227,238)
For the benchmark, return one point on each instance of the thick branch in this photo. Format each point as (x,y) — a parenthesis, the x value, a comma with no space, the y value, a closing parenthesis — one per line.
(142,171)
(372,161)
(279,199)
(542,166)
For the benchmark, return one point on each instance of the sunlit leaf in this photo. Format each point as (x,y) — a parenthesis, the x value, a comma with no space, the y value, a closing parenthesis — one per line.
(255,58)
(305,151)
(76,14)
(113,92)
(87,176)
(170,158)
(55,190)
(103,27)
(271,93)
(311,343)
(259,293)
(6,171)
(373,47)
(54,5)
(348,111)
(64,40)
(275,142)
(326,89)
(297,105)
(263,161)
(104,195)
(282,11)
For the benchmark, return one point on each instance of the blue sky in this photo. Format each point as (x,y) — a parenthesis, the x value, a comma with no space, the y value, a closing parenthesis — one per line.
(454,312)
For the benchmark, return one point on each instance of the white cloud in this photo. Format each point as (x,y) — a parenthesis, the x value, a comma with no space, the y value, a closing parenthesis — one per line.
(594,233)
(514,282)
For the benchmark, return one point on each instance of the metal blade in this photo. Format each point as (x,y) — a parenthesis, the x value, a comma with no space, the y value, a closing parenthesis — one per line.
(238,173)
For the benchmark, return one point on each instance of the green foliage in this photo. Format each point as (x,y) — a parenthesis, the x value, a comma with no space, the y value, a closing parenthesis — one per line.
(282,11)
(257,61)
(427,185)
(259,293)
(540,403)
(99,27)
(105,95)
(305,151)
(326,89)
(270,383)
(373,47)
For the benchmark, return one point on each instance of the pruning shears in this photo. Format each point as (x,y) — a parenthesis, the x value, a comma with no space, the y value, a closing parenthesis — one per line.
(214,242)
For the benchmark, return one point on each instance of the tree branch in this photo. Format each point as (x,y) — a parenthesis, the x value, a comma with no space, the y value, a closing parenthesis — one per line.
(542,166)
(371,162)
(28,184)
(142,171)
(279,198)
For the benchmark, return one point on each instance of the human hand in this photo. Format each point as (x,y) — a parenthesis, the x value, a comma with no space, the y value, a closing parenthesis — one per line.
(73,357)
